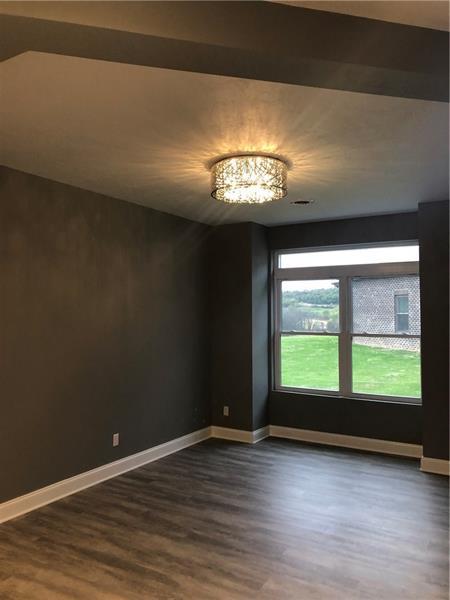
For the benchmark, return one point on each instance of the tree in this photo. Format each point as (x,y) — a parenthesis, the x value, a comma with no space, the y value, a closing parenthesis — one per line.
(321,297)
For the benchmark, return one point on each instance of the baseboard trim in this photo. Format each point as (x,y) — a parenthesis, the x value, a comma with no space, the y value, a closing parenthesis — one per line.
(435,465)
(240,435)
(28,502)
(261,434)
(233,435)
(347,441)
(51,493)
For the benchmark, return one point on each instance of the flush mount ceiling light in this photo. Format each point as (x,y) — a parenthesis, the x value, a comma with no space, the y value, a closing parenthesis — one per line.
(249,179)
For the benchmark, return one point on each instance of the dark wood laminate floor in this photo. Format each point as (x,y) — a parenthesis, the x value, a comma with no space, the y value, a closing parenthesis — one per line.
(278,520)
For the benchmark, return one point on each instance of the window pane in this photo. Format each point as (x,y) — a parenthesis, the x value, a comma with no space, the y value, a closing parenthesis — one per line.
(310,361)
(350,256)
(310,305)
(402,324)
(402,303)
(375,307)
(386,366)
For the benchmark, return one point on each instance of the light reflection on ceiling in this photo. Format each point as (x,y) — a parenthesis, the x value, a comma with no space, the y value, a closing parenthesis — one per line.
(148,135)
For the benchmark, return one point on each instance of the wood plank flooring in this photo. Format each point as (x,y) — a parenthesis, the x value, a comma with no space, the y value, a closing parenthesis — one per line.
(227,521)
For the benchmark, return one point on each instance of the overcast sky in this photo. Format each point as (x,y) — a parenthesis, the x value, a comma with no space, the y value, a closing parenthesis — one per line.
(358,256)
(319,284)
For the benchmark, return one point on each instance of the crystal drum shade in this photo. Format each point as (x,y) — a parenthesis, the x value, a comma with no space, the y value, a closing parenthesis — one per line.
(249,179)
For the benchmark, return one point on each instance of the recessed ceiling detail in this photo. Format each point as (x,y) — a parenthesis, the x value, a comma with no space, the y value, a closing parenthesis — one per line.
(147,135)
(433,14)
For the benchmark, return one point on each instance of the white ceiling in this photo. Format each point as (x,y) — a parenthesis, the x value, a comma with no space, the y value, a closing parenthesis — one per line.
(433,14)
(146,135)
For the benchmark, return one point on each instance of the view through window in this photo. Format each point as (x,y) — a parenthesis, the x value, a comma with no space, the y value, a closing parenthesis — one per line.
(347,325)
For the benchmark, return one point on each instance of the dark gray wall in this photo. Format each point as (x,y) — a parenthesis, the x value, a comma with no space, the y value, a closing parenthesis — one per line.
(348,416)
(260,326)
(345,231)
(102,330)
(114,317)
(238,281)
(372,419)
(230,285)
(434,276)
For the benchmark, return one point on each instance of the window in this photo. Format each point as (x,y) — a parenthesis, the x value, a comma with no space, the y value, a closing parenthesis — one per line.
(401,303)
(347,325)
(349,256)
(309,308)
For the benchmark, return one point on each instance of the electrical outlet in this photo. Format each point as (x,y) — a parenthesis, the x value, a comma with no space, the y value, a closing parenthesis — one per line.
(226,411)
(115,439)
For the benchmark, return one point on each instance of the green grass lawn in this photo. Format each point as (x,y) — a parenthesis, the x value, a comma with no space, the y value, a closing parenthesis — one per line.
(312,362)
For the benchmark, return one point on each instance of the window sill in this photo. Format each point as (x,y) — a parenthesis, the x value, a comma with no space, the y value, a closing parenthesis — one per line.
(358,397)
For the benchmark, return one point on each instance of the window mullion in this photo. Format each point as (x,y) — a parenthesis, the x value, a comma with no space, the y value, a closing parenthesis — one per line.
(345,345)
(278,327)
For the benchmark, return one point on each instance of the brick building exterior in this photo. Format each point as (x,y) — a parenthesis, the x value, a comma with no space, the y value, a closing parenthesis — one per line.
(387,305)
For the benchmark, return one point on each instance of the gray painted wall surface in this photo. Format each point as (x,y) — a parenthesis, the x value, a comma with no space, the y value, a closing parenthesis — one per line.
(434,290)
(230,286)
(102,329)
(239,303)
(348,416)
(114,317)
(260,326)
(360,230)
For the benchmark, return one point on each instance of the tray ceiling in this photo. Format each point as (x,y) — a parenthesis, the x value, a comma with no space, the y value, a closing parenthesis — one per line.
(146,135)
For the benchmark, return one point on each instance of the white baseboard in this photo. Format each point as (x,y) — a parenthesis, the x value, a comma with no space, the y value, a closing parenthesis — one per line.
(28,502)
(347,441)
(240,435)
(261,434)
(23,504)
(435,465)
(234,435)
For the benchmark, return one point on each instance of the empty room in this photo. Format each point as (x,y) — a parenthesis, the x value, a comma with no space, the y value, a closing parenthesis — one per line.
(224,300)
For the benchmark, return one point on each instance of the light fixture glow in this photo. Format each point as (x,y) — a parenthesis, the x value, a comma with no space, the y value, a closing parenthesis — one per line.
(249,179)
